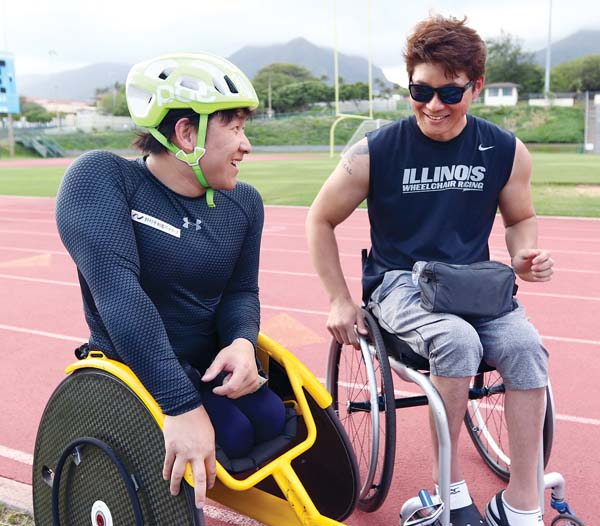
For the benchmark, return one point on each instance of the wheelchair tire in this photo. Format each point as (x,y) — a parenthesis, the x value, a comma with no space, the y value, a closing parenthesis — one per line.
(113,451)
(486,425)
(566,520)
(352,390)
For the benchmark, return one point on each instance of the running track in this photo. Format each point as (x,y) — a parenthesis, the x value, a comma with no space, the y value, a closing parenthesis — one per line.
(41,322)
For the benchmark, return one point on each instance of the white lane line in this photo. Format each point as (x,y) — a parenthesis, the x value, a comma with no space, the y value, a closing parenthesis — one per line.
(560,296)
(53,335)
(290,309)
(29,233)
(40,280)
(571,340)
(49,211)
(16,455)
(21,220)
(34,250)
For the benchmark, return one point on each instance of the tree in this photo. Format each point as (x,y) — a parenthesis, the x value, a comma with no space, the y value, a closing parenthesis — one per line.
(507,62)
(581,74)
(278,74)
(112,100)
(386,90)
(34,112)
(355,92)
(298,96)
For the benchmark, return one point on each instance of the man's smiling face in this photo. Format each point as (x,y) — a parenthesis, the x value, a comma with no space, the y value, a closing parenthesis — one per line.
(439,121)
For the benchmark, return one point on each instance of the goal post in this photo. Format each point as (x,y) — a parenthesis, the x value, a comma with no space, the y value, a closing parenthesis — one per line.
(364,127)
(338,114)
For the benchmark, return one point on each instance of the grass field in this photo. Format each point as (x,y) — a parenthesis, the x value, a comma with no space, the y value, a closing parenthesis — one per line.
(11,517)
(563,184)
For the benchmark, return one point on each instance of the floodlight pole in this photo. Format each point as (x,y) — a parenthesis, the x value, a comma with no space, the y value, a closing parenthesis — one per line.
(548,52)
(370,60)
(11,136)
(339,115)
(336,69)
(585,121)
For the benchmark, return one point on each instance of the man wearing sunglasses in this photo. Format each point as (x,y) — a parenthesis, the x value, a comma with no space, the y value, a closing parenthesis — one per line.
(433,183)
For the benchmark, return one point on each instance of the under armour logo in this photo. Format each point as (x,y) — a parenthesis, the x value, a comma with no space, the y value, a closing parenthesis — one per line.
(187,223)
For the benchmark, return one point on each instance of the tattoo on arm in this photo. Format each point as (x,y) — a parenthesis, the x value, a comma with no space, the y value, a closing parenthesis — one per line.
(361,148)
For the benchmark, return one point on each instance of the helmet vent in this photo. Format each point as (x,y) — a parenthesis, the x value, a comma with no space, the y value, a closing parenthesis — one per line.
(231,85)
(190,84)
(164,74)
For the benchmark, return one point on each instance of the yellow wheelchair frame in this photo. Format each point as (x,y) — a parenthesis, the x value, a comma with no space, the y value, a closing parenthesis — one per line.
(296,508)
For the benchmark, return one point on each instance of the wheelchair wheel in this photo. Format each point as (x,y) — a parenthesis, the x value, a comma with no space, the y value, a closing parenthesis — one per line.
(355,383)
(486,425)
(98,459)
(566,520)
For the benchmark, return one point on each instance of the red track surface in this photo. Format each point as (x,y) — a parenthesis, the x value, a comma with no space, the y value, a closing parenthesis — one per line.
(41,322)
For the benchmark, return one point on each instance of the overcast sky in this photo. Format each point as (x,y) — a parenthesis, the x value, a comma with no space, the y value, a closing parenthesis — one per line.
(55,35)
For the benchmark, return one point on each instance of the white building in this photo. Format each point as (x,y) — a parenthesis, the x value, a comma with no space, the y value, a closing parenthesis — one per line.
(565,100)
(500,94)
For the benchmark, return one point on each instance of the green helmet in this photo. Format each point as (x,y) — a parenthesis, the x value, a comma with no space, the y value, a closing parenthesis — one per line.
(203,82)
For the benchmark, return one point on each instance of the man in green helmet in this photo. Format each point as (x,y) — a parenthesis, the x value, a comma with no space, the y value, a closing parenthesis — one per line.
(167,251)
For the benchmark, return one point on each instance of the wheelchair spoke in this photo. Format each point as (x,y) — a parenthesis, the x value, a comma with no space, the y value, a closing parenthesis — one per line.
(486,423)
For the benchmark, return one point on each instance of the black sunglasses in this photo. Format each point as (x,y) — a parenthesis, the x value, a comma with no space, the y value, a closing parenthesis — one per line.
(447,94)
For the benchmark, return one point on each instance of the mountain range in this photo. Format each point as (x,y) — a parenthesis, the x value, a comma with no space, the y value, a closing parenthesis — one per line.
(579,44)
(81,84)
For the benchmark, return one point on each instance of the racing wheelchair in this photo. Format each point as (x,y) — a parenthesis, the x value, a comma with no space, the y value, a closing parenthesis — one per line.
(364,398)
(99,452)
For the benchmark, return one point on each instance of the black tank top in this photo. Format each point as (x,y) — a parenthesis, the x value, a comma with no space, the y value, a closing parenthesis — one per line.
(431,200)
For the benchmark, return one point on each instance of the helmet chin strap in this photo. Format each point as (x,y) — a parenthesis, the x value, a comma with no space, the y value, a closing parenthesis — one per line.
(192,159)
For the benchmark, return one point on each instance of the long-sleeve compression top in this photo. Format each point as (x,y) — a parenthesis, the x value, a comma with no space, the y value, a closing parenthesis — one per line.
(163,277)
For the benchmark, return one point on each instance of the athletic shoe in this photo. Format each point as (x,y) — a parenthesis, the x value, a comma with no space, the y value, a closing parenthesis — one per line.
(491,517)
(467,516)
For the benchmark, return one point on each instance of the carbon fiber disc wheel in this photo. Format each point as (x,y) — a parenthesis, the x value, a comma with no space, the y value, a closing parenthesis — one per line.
(92,403)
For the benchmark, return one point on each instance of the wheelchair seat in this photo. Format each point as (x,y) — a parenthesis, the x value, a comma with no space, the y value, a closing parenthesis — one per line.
(263,452)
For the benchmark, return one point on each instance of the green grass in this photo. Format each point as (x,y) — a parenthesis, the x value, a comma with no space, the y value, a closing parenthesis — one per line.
(563,184)
(288,182)
(34,181)
(566,184)
(11,517)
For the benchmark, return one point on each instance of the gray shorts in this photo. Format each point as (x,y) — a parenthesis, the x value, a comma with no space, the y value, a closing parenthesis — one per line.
(455,346)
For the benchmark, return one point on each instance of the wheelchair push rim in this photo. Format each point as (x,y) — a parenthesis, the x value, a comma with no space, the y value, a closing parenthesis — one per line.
(358,379)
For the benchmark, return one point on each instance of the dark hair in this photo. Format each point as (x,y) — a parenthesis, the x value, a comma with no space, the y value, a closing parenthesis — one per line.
(146,143)
(449,43)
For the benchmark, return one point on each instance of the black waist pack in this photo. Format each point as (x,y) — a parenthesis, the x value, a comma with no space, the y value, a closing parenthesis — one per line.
(483,289)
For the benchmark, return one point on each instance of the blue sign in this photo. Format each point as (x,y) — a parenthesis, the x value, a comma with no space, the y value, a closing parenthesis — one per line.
(9,99)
